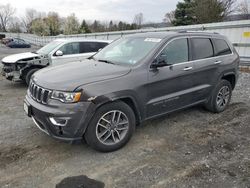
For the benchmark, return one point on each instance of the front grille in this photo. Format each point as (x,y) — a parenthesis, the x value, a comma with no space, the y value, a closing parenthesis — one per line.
(38,93)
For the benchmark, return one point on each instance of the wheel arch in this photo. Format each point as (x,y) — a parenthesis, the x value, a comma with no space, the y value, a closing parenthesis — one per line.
(129,100)
(231,78)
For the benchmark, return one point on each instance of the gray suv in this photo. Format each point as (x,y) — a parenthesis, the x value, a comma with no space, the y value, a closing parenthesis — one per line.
(134,79)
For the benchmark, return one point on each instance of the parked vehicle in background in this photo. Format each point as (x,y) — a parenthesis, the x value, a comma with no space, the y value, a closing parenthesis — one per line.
(2,36)
(7,40)
(18,43)
(21,66)
(134,79)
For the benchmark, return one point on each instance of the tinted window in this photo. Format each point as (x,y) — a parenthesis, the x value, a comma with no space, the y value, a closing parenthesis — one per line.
(101,45)
(222,47)
(87,47)
(176,51)
(70,48)
(202,48)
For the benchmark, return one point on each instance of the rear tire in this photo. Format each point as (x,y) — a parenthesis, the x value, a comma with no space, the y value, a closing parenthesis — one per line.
(220,97)
(28,75)
(111,127)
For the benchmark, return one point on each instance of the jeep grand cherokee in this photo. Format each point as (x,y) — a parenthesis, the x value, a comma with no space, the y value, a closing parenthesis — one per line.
(135,78)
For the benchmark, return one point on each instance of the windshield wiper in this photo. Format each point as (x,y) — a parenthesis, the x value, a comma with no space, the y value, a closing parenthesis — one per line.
(91,57)
(105,61)
(34,52)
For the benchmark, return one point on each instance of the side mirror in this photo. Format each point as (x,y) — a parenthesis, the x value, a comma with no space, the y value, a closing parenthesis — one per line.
(99,49)
(59,53)
(160,62)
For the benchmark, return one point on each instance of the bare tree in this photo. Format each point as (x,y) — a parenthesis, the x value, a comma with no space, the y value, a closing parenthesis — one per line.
(6,12)
(169,17)
(14,25)
(30,16)
(227,6)
(244,7)
(138,19)
(71,25)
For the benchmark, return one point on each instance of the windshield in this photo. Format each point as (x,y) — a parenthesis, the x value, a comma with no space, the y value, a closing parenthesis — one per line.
(128,51)
(48,48)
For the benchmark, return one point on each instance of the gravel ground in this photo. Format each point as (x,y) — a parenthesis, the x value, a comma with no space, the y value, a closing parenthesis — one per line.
(190,148)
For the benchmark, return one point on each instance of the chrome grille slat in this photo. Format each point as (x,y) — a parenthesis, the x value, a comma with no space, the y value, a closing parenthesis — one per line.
(42,95)
(31,87)
(33,90)
(38,93)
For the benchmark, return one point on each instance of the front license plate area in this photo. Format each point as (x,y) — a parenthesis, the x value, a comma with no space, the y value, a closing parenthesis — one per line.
(27,109)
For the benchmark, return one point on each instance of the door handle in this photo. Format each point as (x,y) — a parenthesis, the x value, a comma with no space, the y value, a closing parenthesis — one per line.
(217,62)
(188,68)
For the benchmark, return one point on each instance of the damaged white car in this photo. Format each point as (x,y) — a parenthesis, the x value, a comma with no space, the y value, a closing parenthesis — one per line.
(20,67)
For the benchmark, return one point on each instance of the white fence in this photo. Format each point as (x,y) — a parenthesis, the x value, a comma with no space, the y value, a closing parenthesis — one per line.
(238,33)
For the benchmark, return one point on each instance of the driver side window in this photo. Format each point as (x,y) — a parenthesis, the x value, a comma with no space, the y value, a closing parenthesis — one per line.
(176,51)
(70,48)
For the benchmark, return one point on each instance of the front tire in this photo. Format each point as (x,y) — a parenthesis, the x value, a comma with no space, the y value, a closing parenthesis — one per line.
(111,127)
(220,97)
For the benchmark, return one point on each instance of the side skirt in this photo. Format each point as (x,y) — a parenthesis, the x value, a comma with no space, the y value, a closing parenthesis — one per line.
(178,109)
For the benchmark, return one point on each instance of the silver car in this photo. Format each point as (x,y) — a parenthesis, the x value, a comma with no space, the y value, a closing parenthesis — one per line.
(21,66)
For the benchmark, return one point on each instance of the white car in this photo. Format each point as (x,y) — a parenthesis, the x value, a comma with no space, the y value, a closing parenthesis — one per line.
(21,66)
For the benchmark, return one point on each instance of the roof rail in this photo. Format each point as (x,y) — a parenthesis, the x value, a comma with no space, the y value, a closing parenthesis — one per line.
(186,31)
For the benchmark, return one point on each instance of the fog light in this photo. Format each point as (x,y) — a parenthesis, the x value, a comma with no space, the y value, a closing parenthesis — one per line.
(58,121)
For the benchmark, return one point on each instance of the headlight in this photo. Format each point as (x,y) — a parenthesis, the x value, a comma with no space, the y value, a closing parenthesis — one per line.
(66,97)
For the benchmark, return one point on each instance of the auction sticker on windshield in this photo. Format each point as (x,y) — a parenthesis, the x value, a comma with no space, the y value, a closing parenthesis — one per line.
(152,40)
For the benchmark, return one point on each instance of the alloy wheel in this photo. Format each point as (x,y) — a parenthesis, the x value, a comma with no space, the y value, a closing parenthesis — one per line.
(223,97)
(112,127)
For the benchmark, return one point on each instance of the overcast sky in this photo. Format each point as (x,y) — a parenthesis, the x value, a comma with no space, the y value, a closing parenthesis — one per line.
(124,10)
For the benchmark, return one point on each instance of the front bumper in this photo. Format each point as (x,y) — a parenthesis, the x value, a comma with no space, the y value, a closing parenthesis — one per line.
(12,76)
(77,115)
(10,72)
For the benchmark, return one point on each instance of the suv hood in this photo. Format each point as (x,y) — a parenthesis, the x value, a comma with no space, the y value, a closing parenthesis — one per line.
(72,75)
(17,57)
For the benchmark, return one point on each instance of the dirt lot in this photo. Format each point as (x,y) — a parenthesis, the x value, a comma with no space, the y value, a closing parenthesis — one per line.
(191,148)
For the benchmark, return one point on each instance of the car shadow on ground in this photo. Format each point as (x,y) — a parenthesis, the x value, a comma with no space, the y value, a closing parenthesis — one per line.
(79,181)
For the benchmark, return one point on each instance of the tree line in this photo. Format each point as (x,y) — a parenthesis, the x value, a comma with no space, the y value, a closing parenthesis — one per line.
(190,12)
(51,24)
(187,12)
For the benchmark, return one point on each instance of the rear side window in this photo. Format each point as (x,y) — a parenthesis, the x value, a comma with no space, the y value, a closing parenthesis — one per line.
(176,51)
(202,48)
(87,47)
(221,47)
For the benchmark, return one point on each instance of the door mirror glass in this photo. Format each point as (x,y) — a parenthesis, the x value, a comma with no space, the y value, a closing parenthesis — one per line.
(59,53)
